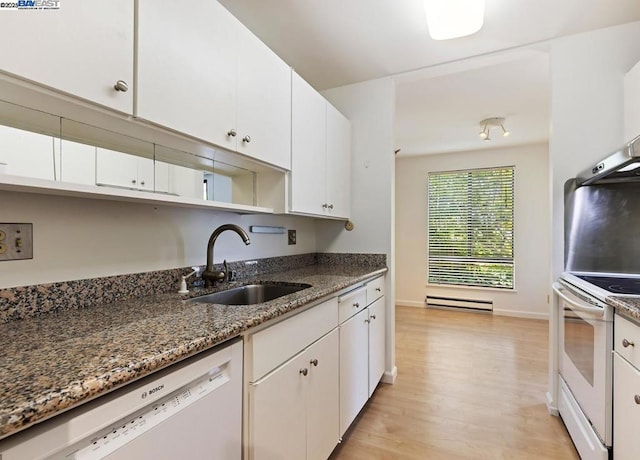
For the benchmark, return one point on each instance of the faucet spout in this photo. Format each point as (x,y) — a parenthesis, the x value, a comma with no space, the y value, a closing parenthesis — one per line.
(209,275)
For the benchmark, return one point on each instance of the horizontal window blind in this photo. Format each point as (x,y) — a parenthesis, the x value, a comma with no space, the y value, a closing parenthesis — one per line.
(470,227)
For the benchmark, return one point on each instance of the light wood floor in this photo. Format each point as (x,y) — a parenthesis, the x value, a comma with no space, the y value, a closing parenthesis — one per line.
(469,386)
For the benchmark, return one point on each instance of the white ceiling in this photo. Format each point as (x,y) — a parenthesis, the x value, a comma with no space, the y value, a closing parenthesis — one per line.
(444,88)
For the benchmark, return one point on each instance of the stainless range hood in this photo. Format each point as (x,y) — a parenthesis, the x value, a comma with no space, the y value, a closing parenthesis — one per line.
(621,166)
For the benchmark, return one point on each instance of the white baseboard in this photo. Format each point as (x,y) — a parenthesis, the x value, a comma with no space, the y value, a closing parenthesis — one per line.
(409,303)
(521,314)
(390,376)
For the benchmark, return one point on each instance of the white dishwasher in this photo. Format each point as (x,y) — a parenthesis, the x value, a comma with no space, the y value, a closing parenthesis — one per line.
(190,410)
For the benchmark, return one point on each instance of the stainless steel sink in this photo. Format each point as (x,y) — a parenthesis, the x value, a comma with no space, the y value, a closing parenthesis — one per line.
(251,294)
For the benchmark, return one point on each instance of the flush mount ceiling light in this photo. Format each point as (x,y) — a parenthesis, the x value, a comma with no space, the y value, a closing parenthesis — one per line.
(493,122)
(448,19)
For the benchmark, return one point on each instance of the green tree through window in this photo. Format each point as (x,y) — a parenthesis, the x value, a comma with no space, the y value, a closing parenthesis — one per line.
(470,227)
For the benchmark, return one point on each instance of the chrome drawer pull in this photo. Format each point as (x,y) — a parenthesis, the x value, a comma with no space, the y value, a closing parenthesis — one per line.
(304,371)
(378,290)
(357,305)
(636,398)
(314,362)
(626,343)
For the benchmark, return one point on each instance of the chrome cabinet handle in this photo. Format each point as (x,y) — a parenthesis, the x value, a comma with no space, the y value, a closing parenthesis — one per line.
(314,362)
(373,316)
(626,343)
(636,398)
(330,206)
(378,290)
(142,183)
(304,371)
(357,305)
(121,85)
(133,181)
(325,205)
(367,320)
(246,139)
(231,133)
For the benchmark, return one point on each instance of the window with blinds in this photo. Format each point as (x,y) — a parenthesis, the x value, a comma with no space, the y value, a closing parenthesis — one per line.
(470,227)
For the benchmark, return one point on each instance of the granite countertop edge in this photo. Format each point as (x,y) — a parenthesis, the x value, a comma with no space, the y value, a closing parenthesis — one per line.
(625,306)
(27,410)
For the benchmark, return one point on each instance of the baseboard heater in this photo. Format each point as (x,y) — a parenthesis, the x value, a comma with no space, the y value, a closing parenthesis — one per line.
(454,302)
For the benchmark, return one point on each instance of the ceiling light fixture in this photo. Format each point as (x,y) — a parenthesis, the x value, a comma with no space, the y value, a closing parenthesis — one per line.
(493,122)
(448,19)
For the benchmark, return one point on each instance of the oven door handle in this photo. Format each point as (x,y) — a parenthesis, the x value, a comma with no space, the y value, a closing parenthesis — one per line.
(575,301)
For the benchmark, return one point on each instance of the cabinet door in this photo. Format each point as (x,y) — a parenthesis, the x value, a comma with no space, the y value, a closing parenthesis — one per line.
(277,428)
(354,368)
(626,410)
(187,68)
(264,102)
(146,174)
(323,397)
(116,168)
(83,49)
(338,163)
(376,343)
(308,149)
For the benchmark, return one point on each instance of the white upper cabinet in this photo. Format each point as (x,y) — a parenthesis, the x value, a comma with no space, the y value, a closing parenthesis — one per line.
(320,154)
(264,102)
(202,73)
(308,147)
(84,49)
(338,163)
(187,71)
(632,103)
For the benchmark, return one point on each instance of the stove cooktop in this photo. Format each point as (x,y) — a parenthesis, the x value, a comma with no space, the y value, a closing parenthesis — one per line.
(613,284)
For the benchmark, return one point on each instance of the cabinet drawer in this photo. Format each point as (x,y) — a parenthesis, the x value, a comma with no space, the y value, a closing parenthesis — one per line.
(276,344)
(627,333)
(351,303)
(375,290)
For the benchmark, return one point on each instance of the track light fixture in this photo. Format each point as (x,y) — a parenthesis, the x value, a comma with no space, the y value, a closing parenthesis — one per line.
(493,122)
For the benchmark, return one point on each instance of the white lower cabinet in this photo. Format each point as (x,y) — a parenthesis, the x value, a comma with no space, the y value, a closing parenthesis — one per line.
(376,343)
(309,376)
(626,410)
(626,390)
(354,368)
(362,350)
(294,409)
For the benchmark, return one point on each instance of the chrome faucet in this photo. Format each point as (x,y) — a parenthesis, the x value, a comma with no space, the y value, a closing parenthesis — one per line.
(209,275)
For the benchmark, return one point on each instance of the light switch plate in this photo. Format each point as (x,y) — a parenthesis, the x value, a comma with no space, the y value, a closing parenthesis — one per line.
(291,236)
(16,241)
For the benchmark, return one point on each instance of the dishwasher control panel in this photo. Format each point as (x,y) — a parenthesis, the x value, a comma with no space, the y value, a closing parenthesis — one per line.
(144,420)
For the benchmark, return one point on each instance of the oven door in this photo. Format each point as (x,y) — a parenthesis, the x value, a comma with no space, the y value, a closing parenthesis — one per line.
(586,340)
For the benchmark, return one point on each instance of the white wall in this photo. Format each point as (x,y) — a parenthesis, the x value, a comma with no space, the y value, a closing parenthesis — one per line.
(587,107)
(76,238)
(531,235)
(370,106)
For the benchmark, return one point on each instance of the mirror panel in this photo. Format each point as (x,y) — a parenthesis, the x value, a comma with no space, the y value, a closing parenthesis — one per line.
(44,146)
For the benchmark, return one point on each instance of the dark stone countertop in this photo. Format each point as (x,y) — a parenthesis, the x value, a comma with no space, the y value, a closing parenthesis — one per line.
(57,361)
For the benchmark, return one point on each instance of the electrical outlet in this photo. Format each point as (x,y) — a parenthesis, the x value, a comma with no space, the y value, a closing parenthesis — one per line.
(16,241)
(291,236)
